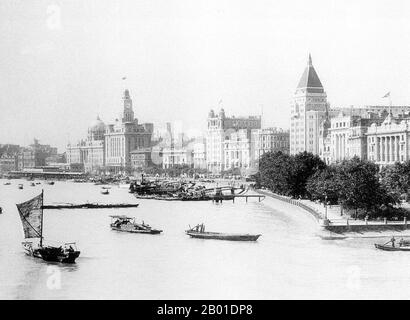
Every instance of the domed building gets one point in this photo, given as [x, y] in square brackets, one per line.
[96, 130]
[89, 154]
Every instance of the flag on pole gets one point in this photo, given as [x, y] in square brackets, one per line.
[386, 95]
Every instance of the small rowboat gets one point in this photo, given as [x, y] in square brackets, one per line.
[105, 191]
[391, 248]
[201, 234]
[20, 186]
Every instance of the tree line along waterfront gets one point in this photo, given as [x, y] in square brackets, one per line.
[361, 188]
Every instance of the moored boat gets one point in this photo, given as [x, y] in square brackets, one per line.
[31, 215]
[391, 248]
[105, 191]
[50, 182]
[128, 224]
[7, 183]
[20, 186]
[199, 232]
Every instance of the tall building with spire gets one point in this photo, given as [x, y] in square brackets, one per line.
[309, 108]
[125, 136]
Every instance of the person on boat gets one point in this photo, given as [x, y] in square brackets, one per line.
[401, 242]
[392, 240]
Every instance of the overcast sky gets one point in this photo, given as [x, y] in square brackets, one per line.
[61, 62]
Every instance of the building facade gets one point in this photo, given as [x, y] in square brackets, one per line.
[141, 159]
[389, 142]
[124, 136]
[237, 148]
[344, 136]
[8, 162]
[308, 110]
[173, 157]
[219, 129]
[268, 140]
[199, 154]
[89, 154]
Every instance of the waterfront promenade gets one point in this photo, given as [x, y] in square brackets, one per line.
[331, 219]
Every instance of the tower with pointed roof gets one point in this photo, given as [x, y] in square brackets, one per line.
[308, 110]
[127, 113]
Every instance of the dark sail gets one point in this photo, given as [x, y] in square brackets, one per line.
[31, 215]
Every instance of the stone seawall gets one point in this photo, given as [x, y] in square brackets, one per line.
[366, 227]
[338, 226]
[312, 211]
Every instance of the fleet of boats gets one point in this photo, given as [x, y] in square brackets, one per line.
[182, 191]
[31, 215]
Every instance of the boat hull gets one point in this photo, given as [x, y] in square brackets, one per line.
[390, 248]
[151, 231]
[223, 236]
[52, 254]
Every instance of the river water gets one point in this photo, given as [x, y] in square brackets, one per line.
[289, 261]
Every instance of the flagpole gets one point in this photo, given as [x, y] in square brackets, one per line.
[42, 217]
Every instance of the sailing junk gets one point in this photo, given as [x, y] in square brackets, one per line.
[31, 215]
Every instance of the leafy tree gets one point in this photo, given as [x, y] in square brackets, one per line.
[360, 188]
[324, 185]
[274, 169]
[396, 178]
[304, 165]
[288, 175]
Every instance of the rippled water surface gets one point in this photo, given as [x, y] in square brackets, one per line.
[288, 260]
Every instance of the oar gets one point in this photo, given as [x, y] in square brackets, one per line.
[387, 242]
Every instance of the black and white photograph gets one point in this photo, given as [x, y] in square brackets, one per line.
[204, 150]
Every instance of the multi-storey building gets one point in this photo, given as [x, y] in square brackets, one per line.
[172, 157]
[308, 110]
[219, 128]
[89, 154]
[344, 136]
[389, 142]
[8, 162]
[141, 159]
[237, 148]
[124, 136]
[199, 148]
[268, 140]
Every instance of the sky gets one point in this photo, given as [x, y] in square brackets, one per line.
[62, 62]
